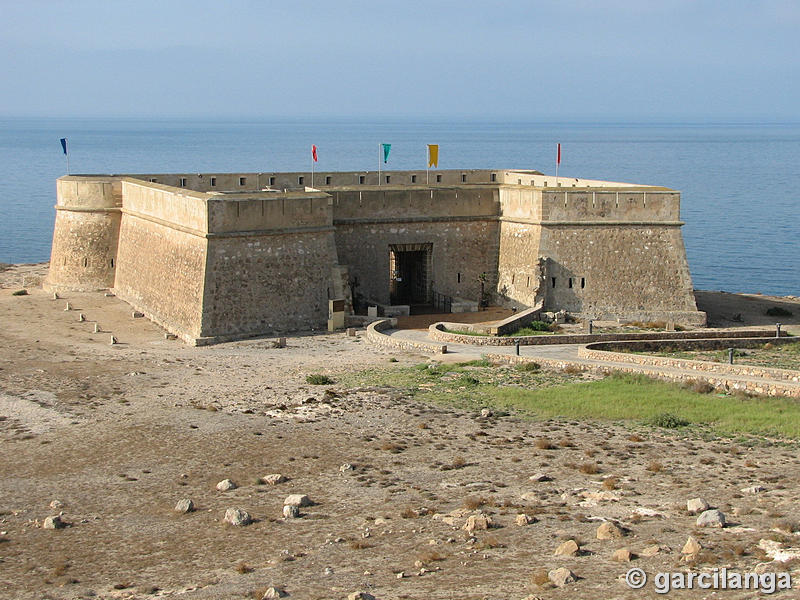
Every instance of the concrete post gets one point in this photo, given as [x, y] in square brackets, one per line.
[777, 330]
[516, 346]
[730, 356]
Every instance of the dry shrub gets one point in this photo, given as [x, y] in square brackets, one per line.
[654, 466]
[474, 502]
[459, 462]
[423, 425]
[429, 556]
[635, 437]
[751, 464]
[544, 444]
[392, 447]
[243, 568]
[590, 452]
[565, 442]
[573, 369]
[61, 568]
[610, 483]
[359, 544]
[490, 542]
[409, 513]
[589, 468]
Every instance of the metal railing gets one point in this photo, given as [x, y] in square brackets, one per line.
[442, 302]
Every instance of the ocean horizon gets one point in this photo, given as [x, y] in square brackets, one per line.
[737, 180]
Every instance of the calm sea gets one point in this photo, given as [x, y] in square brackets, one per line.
[740, 184]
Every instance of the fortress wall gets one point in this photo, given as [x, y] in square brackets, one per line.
[628, 204]
[616, 270]
[184, 208]
[520, 203]
[251, 181]
[267, 283]
[269, 212]
[519, 274]
[468, 248]
[161, 272]
[83, 254]
[413, 204]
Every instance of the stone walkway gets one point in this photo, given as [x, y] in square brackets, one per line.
[569, 354]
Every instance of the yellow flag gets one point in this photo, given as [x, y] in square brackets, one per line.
[433, 155]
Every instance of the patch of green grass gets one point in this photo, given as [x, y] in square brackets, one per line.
[465, 332]
[621, 397]
[317, 379]
[20, 293]
[780, 356]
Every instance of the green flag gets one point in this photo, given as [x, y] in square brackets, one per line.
[386, 149]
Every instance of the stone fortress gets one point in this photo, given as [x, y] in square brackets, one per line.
[214, 257]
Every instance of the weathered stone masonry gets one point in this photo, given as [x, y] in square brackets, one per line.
[219, 256]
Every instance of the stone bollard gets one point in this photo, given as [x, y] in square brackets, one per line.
[113, 341]
[730, 356]
[281, 342]
[55, 295]
[516, 346]
[96, 328]
[351, 332]
[670, 325]
[590, 326]
[81, 318]
[68, 307]
[777, 330]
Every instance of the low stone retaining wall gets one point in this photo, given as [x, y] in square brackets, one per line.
[437, 332]
[375, 336]
[722, 383]
[607, 352]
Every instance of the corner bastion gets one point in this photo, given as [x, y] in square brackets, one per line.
[219, 256]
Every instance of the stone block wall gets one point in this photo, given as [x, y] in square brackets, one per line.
[270, 283]
[161, 272]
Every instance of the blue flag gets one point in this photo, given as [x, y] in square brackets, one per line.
[386, 148]
[64, 144]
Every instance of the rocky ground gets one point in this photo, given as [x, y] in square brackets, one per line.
[100, 442]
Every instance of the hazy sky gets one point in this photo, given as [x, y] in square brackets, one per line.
[533, 60]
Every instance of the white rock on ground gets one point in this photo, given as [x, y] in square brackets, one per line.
[274, 592]
[609, 531]
[291, 511]
[297, 500]
[184, 506]
[696, 505]
[691, 547]
[226, 485]
[561, 576]
[568, 548]
[360, 596]
[523, 519]
[475, 522]
[237, 517]
[711, 518]
[54, 523]
[273, 479]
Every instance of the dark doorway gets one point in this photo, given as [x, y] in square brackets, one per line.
[408, 273]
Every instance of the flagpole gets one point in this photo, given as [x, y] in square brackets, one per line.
[312, 169]
[427, 165]
[380, 147]
[68, 171]
[558, 160]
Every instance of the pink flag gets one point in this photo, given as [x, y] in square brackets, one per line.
[314, 152]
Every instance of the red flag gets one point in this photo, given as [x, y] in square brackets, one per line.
[558, 160]
[314, 152]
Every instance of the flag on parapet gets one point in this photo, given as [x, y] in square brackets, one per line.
[433, 155]
[386, 149]
[314, 152]
[558, 155]
[64, 144]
